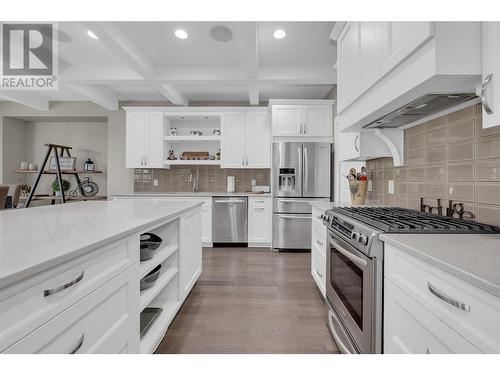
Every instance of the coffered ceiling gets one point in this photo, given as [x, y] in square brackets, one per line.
[240, 61]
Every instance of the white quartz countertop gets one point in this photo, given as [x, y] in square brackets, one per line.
[35, 239]
[194, 194]
[474, 258]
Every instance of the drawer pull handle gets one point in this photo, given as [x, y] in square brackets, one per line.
[259, 201]
[320, 243]
[447, 299]
[259, 209]
[319, 274]
[49, 292]
[78, 345]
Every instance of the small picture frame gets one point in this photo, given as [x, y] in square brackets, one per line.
[66, 163]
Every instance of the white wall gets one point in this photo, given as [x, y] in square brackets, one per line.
[88, 139]
[13, 148]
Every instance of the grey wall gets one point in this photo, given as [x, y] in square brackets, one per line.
[13, 149]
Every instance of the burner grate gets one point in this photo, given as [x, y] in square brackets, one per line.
[404, 220]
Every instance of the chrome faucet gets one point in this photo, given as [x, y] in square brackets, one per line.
[194, 180]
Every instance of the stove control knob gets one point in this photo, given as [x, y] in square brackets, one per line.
[362, 239]
[354, 235]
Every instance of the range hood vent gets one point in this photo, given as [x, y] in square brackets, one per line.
[424, 106]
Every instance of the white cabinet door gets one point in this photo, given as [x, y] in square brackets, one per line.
[135, 139]
[233, 140]
[286, 121]
[348, 67]
[190, 252]
[257, 140]
[410, 328]
[154, 140]
[206, 223]
[491, 69]
[402, 39]
[318, 121]
[259, 220]
[370, 36]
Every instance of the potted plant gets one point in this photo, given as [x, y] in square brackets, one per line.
[65, 185]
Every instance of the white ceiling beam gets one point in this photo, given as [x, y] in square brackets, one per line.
[172, 94]
[253, 94]
[249, 49]
[26, 98]
[99, 96]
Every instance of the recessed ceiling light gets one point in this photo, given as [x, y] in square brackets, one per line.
[181, 34]
[92, 35]
[279, 34]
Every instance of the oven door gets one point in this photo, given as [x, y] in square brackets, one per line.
[350, 290]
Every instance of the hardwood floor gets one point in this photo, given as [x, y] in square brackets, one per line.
[251, 301]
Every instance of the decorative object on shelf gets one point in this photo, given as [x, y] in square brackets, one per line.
[25, 190]
[217, 155]
[172, 131]
[65, 186]
[67, 163]
[216, 131]
[196, 132]
[149, 243]
[89, 165]
[150, 279]
[195, 155]
[358, 182]
[87, 187]
[33, 167]
[24, 166]
[171, 155]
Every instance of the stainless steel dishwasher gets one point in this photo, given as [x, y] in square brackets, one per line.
[230, 220]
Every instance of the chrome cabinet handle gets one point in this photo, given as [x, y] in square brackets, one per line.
[78, 345]
[294, 217]
[452, 301]
[319, 274]
[336, 337]
[259, 209]
[49, 292]
[360, 262]
[481, 92]
[259, 201]
[305, 128]
[356, 140]
[145, 160]
[230, 201]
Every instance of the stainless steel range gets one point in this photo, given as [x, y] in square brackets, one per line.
[355, 266]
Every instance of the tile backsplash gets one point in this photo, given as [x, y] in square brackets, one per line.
[450, 157]
[208, 178]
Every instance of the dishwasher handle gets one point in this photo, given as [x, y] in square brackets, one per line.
[230, 201]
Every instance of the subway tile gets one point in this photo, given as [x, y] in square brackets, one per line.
[401, 188]
[388, 200]
[436, 155]
[416, 142]
[435, 190]
[400, 174]
[488, 193]
[416, 158]
[461, 151]
[488, 147]
[436, 174]
[401, 200]
[435, 124]
[480, 132]
[461, 192]
[416, 174]
[461, 131]
[416, 189]
[415, 130]
[388, 175]
[488, 214]
[488, 170]
[435, 138]
[461, 171]
[460, 115]
[414, 203]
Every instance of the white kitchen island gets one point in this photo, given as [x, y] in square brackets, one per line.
[70, 274]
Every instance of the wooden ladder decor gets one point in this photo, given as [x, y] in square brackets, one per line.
[53, 148]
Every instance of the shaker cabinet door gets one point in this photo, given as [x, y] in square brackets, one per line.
[233, 140]
[257, 140]
[135, 139]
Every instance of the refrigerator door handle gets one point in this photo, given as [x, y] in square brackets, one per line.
[305, 170]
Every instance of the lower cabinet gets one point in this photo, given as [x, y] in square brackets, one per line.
[319, 239]
[259, 221]
[410, 328]
[190, 252]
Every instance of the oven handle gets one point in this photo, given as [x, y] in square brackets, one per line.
[342, 348]
[360, 262]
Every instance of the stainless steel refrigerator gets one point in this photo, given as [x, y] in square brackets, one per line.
[301, 173]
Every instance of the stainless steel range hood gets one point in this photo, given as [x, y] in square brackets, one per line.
[422, 107]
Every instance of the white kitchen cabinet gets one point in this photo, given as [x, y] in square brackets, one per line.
[190, 252]
[490, 88]
[311, 120]
[246, 141]
[144, 139]
[348, 65]
[411, 329]
[319, 245]
[259, 221]
[441, 303]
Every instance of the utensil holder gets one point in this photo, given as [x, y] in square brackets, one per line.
[358, 189]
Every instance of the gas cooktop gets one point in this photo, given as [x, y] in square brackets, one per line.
[404, 220]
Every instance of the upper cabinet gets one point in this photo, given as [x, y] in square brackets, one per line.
[368, 50]
[144, 139]
[489, 91]
[302, 120]
[246, 140]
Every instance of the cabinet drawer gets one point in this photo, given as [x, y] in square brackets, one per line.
[29, 304]
[105, 321]
[319, 237]
[470, 311]
[410, 328]
[259, 203]
[318, 268]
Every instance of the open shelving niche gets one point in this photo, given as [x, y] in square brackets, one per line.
[165, 293]
[185, 141]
